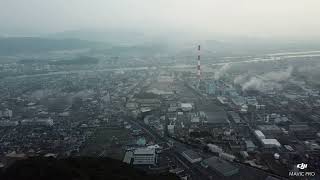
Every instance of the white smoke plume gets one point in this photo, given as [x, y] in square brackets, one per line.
[42, 93]
[267, 82]
[220, 72]
[83, 94]
[278, 76]
[241, 79]
[309, 68]
[258, 84]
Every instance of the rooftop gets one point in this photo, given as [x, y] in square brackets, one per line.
[141, 151]
[235, 116]
[271, 142]
[216, 117]
[269, 128]
[127, 157]
[249, 144]
[186, 105]
[191, 154]
[259, 133]
[221, 166]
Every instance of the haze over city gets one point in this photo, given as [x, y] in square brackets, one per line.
[159, 89]
[293, 19]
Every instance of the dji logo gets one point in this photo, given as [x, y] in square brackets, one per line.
[301, 173]
[302, 166]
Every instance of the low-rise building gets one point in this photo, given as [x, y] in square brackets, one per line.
[270, 143]
[7, 123]
[220, 166]
[186, 106]
[191, 156]
[144, 156]
[227, 156]
[170, 129]
[214, 148]
[250, 146]
[259, 134]
[270, 129]
[37, 122]
[234, 117]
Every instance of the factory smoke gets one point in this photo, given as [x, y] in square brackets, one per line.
[309, 68]
[278, 76]
[241, 79]
[259, 84]
[221, 71]
[83, 94]
[265, 82]
[43, 93]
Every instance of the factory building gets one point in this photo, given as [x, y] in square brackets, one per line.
[259, 135]
[37, 122]
[270, 143]
[298, 127]
[214, 148]
[8, 123]
[131, 106]
[211, 88]
[238, 101]
[194, 118]
[250, 146]
[220, 166]
[266, 143]
[252, 101]
[186, 106]
[222, 99]
[128, 157]
[216, 119]
[171, 129]
[270, 129]
[7, 113]
[226, 156]
[191, 156]
[234, 117]
[152, 103]
[144, 156]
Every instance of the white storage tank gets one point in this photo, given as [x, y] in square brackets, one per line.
[227, 156]
[214, 148]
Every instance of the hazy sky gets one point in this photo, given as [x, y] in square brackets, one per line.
[266, 18]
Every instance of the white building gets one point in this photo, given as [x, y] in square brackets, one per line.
[227, 156]
[270, 143]
[214, 148]
[37, 122]
[191, 156]
[7, 113]
[195, 119]
[144, 156]
[259, 134]
[8, 123]
[171, 129]
[186, 106]
[250, 146]
[128, 157]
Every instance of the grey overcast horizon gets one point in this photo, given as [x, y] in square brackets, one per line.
[296, 19]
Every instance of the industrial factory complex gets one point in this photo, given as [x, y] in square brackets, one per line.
[201, 121]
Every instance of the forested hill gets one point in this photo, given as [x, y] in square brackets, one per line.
[80, 168]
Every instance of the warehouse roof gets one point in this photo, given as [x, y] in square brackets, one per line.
[144, 151]
[221, 166]
[191, 154]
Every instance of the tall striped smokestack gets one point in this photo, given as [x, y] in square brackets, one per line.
[198, 66]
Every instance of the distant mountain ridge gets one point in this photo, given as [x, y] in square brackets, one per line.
[116, 37]
[16, 45]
